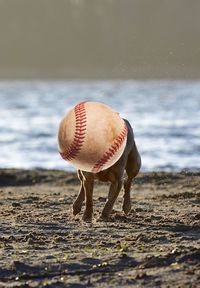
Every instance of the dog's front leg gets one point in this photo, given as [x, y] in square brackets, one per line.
[88, 187]
[78, 203]
[112, 196]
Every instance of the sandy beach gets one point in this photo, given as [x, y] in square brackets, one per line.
[42, 244]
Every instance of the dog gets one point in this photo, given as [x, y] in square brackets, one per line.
[130, 161]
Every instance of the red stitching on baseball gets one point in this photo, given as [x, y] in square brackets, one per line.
[111, 151]
[80, 131]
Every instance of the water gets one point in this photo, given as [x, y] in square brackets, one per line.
[165, 116]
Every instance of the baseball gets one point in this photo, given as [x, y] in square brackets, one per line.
[92, 136]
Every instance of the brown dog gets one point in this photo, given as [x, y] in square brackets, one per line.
[129, 161]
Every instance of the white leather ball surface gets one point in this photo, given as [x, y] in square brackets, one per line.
[92, 136]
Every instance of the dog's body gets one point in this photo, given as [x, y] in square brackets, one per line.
[129, 161]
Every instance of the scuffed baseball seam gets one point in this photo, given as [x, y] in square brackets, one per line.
[80, 131]
[111, 151]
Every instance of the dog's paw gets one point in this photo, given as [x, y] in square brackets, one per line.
[126, 207]
[76, 208]
[103, 218]
[87, 217]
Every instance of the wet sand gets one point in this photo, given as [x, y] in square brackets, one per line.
[43, 245]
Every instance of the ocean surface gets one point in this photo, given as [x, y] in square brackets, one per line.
[165, 116]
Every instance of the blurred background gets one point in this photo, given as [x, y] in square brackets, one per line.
[140, 57]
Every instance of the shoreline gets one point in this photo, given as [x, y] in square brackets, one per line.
[25, 177]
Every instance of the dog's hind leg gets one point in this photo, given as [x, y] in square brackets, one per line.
[112, 196]
[127, 197]
[78, 203]
[132, 169]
